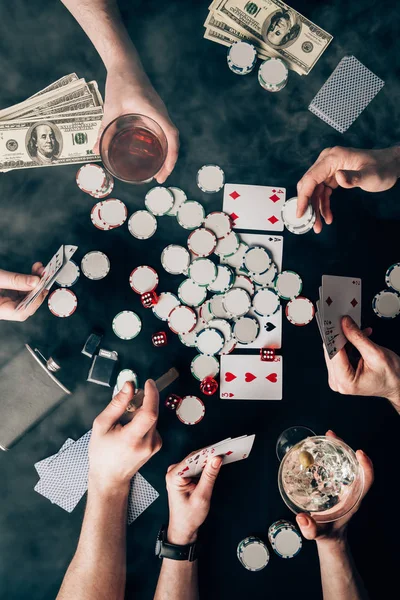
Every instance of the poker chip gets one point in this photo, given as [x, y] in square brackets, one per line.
[229, 346]
[179, 198]
[95, 265]
[182, 319]
[142, 224]
[165, 304]
[296, 225]
[124, 376]
[256, 260]
[209, 341]
[203, 366]
[246, 330]
[217, 307]
[94, 180]
[392, 277]
[386, 304]
[236, 260]
[223, 326]
[228, 245]
[68, 275]
[266, 279]
[202, 242]
[189, 339]
[253, 553]
[300, 311]
[203, 271]
[219, 223]
[242, 57]
[236, 302]
[191, 293]
[245, 283]
[126, 325]
[175, 259]
[62, 302]
[205, 311]
[159, 200]
[191, 410]
[266, 302]
[143, 279]
[210, 179]
[273, 74]
[284, 538]
[113, 212]
[190, 215]
[96, 219]
[288, 285]
[224, 280]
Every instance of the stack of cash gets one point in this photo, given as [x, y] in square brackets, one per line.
[58, 125]
[273, 27]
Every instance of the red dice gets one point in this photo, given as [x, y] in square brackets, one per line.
[267, 354]
[208, 386]
[172, 401]
[159, 338]
[149, 299]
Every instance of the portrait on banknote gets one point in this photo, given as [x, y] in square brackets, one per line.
[281, 28]
[44, 142]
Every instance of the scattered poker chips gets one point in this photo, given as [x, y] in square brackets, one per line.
[217, 307]
[285, 539]
[126, 325]
[142, 224]
[273, 74]
[62, 302]
[244, 282]
[236, 260]
[294, 224]
[202, 242]
[159, 200]
[97, 220]
[236, 302]
[165, 304]
[94, 180]
[288, 285]
[392, 277]
[266, 279]
[204, 365]
[124, 376]
[113, 213]
[223, 326]
[95, 265]
[253, 553]
[386, 304]
[203, 271]
[189, 339]
[246, 330]
[219, 223]
[68, 275]
[175, 259]
[256, 260]
[179, 198]
[191, 293]
[228, 245]
[210, 179]
[182, 319]
[143, 279]
[300, 311]
[209, 341]
[266, 302]
[242, 57]
[205, 311]
[224, 280]
[191, 410]
[229, 346]
[190, 214]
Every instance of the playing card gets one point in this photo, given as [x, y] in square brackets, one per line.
[141, 495]
[232, 450]
[247, 377]
[42, 465]
[270, 335]
[273, 243]
[254, 206]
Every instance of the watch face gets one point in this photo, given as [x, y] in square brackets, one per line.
[158, 547]
[160, 538]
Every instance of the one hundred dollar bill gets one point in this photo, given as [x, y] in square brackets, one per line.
[220, 37]
[65, 80]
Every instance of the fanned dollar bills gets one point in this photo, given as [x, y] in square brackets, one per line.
[272, 26]
[58, 125]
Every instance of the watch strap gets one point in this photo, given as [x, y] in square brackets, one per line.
[188, 552]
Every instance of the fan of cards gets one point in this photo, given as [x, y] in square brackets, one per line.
[230, 449]
[58, 125]
[338, 297]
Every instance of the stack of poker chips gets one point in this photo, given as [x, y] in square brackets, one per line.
[253, 553]
[386, 304]
[242, 58]
[94, 180]
[273, 74]
[284, 539]
[294, 224]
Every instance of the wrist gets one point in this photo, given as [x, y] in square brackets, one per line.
[396, 160]
[338, 543]
[181, 537]
[108, 490]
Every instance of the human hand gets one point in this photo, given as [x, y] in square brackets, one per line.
[336, 531]
[116, 452]
[370, 170]
[377, 372]
[189, 501]
[14, 287]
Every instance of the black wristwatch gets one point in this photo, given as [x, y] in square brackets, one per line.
[166, 550]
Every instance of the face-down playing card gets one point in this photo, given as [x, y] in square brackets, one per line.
[245, 377]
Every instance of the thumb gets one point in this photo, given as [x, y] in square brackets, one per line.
[349, 179]
[96, 147]
[208, 478]
[114, 411]
[308, 526]
[17, 281]
[358, 338]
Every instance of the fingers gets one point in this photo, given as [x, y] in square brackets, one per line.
[308, 526]
[96, 147]
[114, 411]
[358, 338]
[333, 435]
[172, 136]
[321, 171]
[331, 373]
[38, 269]
[349, 179]
[17, 281]
[316, 202]
[208, 478]
[368, 469]
[325, 205]
[146, 416]
[25, 314]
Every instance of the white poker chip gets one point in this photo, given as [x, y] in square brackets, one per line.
[223, 326]
[62, 302]
[217, 307]
[288, 284]
[266, 279]
[273, 74]
[202, 242]
[94, 180]
[143, 279]
[229, 346]
[203, 271]
[126, 325]
[266, 302]
[210, 179]
[236, 260]
[203, 366]
[245, 283]
[190, 215]
[165, 304]
[386, 304]
[257, 260]
[300, 311]
[113, 212]
[210, 341]
[228, 245]
[224, 280]
[95, 265]
[142, 224]
[253, 554]
[124, 376]
[68, 275]
[246, 330]
[285, 540]
[296, 225]
[392, 277]
[191, 410]
[242, 57]
[175, 259]
[191, 293]
[219, 223]
[179, 198]
[236, 302]
[97, 220]
[205, 311]
[182, 319]
[189, 339]
[159, 200]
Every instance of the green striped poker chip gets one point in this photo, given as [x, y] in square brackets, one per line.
[126, 325]
[288, 285]
[392, 277]
[210, 341]
[210, 179]
[228, 245]
[159, 200]
[191, 293]
[253, 554]
[203, 271]
[124, 376]
[224, 280]
[203, 366]
[284, 538]
[386, 304]
[190, 214]
[273, 74]
[242, 57]
[179, 198]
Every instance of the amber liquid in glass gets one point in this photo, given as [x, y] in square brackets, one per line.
[135, 154]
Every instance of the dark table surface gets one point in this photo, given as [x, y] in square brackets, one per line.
[257, 138]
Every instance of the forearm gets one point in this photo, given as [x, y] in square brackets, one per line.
[339, 576]
[178, 580]
[396, 159]
[98, 569]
